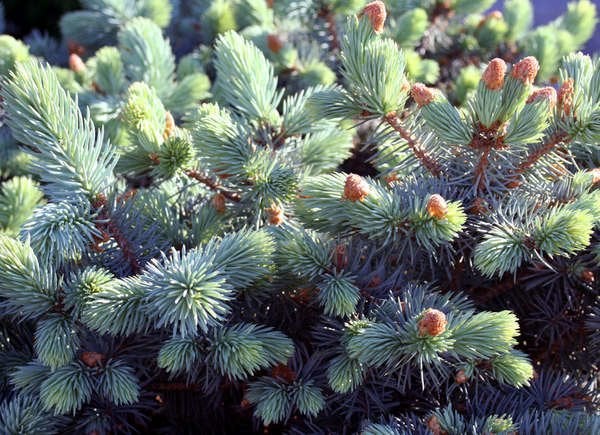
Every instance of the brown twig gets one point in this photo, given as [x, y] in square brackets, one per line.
[192, 173]
[426, 160]
[489, 137]
[108, 227]
[486, 139]
[481, 168]
[534, 157]
[554, 140]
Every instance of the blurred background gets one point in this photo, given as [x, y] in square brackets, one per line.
[22, 16]
[26, 15]
[547, 10]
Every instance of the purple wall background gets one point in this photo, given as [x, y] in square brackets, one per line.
[548, 10]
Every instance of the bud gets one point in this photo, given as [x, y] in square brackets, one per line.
[548, 93]
[493, 76]
[376, 13]
[76, 64]
[526, 70]
[595, 176]
[565, 96]
[284, 372]
[422, 94]
[588, 276]
[433, 323]
[461, 377]
[437, 207]
[91, 359]
[218, 202]
[479, 206]
[434, 425]
[275, 215]
[494, 15]
[169, 126]
[274, 43]
[356, 188]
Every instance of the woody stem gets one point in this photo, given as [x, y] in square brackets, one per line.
[192, 173]
[426, 160]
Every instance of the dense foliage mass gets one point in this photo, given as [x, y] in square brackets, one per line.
[319, 216]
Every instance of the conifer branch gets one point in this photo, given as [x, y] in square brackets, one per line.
[426, 160]
[486, 139]
[533, 158]
[196, 175]
[547, 147]
[107, 226]
[96, 310]
[481, 168]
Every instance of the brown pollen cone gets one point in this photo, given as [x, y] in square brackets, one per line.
[274, 43]
[525, 70]
[356, 188]
[218, 202]
[169, 126]
[461, 377]
[376, 13]
[91, 359]
[433, 323]
[494, 15]
[275, 215]
[76, 64]
[595, 176]
[493, 76]
[437, 207]
[588, 276]
[422, 94]
[548, 93]
[565, 96]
